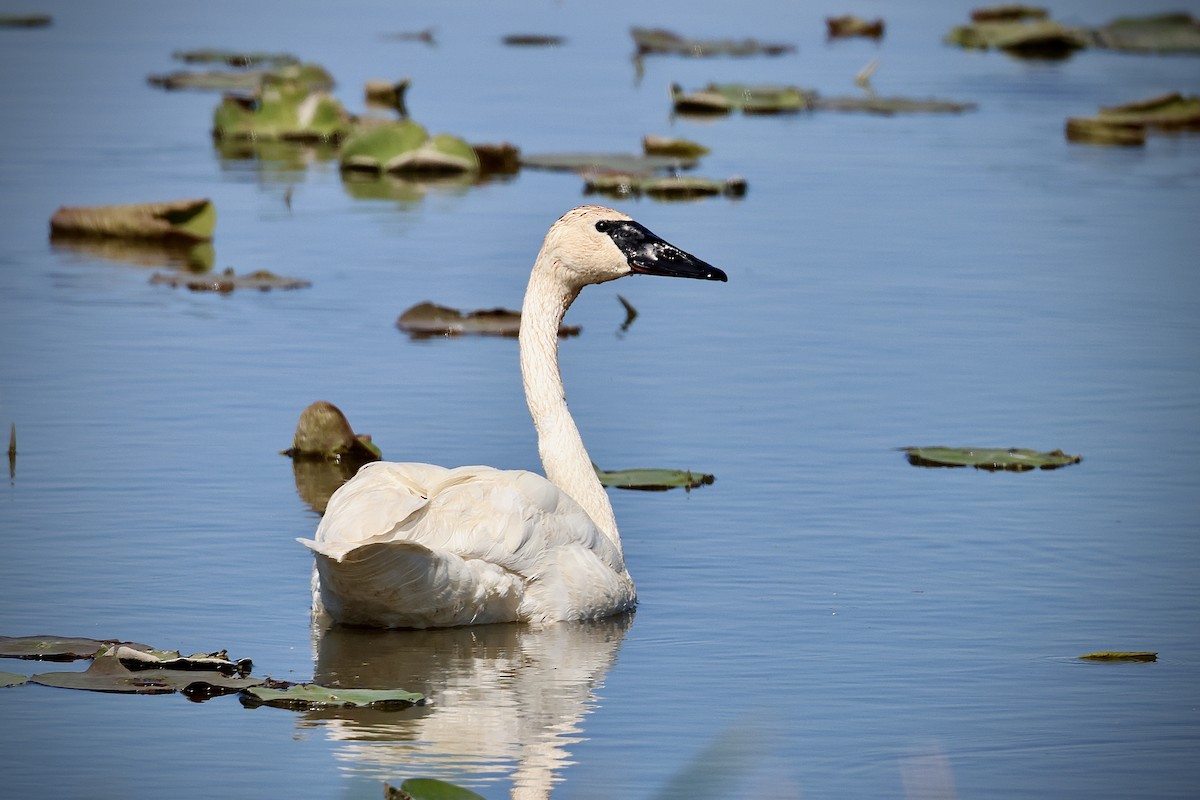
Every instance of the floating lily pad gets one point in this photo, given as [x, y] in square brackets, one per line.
[662, 188]
[873, 104]
[990, 459]
[136, 660]
[851, 25]
[1127, 124]
[284, 111]
[498, 159]
[302, 77]
[309, 695]
[606, 162]
[1158, 33]
[724, 98]
[652, 480]
[658, 41]
[1024, 31]
[1094, 130]
[405, 147]
[234, 58]
[25, 20]
[672, 147]
[182, 221]
[428, 789]
[1119, 655]
[389, 94]
[228, 281]
[12, 679]
[429, 319]
[533, 40]
[55, 648]
[323, 432]
[106, 674]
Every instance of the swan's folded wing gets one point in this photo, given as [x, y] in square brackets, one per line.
[382, 497]
[402, 584]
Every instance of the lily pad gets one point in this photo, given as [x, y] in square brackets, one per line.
[1158, 33]
[228, 281]
[851, 25]
[12, 679]
[1094, 130]
[405, 147]
[662, 188]
[1023, 31]
[658, 41]
[106, 674]
[429, 319]
[428, 789]
[672, 147]
[136, 660]
[1120, 655]
[308, 695]
[533, 40]
[183, 221]
[234, 58]
[25, 20]
[606, 162]
[282, 111]
[990, 459]
[303, 77]
[652, 480]
[724, 98]
[389, 94]
[873, 104]
[1127, 124]
[55, 648]
[323, 432]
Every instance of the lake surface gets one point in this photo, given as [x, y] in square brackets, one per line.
[822, 621]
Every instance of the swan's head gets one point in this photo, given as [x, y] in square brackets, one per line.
[594, 244]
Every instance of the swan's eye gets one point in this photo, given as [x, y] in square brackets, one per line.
[603, 226]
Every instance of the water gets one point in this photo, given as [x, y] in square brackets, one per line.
[842, 623]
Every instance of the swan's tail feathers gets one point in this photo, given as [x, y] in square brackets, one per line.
[402, 584]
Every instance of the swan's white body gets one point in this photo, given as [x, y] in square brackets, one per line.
[420, 546]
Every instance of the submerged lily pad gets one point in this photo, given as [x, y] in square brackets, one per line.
[429, 319]
[428, 789]
[183, 221]
[659, 41]
[227, 281]
[309, 695]
[990, 459]
[1120, 655]
[406, 147]
[12, 679]
[724, 98]
[662, 188]
[652, 480]
[55, 648]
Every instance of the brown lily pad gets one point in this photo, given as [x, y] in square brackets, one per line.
[1120, 655]
[850, 25]
[658, 41]
[56, 648]
[323, 432]
[429, 319]
[616, 184]
[227, 281]
[174, 220]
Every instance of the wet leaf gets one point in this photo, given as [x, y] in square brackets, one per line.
[183, 221]
[1093, 130]
[724, 98]
[990, 459]
[659, 41]
[135, 660]
[428, 789]
[1168, 112]
[1020, 31]
[301, 77]
[672, 147]
[652, 480]
[228, 281]
[1121, 655]
[234, 58]
[606, 162]
[323, 432]
[107, 674]
[282, 111]
[1156, 33]
[25, 20]
[55, 648]
[533, 40]
[661, 188]
[850, 25]
[429, 319]
[873, 104]
[12, 679]
[309, 695]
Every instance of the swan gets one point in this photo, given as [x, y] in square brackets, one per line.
[406, 545]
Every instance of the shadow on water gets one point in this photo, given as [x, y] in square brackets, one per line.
[505, 701]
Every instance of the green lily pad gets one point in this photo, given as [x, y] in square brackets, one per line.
[607, 162]
[1168, 112]
[429, 319]
[107, 674]
[323, 432]
[428, 789]
[1024, 31]
[533, 40]
[309, 695]
[1096, 130]
[234, 58]
[282, 111]
[55, 648]
[405, 147]
[302, 77]
[12, 679]
[652, 480]
[990, 459]
[672, 147]
[183, 221]
[1120, 655]
[1157, 33]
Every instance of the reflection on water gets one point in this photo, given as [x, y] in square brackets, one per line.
[193, 257]
[505, 701]
[318, 478]
[406, 189]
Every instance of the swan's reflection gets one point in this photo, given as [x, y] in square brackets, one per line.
[505, 701]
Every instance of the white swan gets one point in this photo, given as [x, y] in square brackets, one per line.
[418, 546]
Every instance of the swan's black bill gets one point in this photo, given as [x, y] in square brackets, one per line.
[650, 255]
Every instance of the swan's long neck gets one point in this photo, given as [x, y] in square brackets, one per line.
[564, 457]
